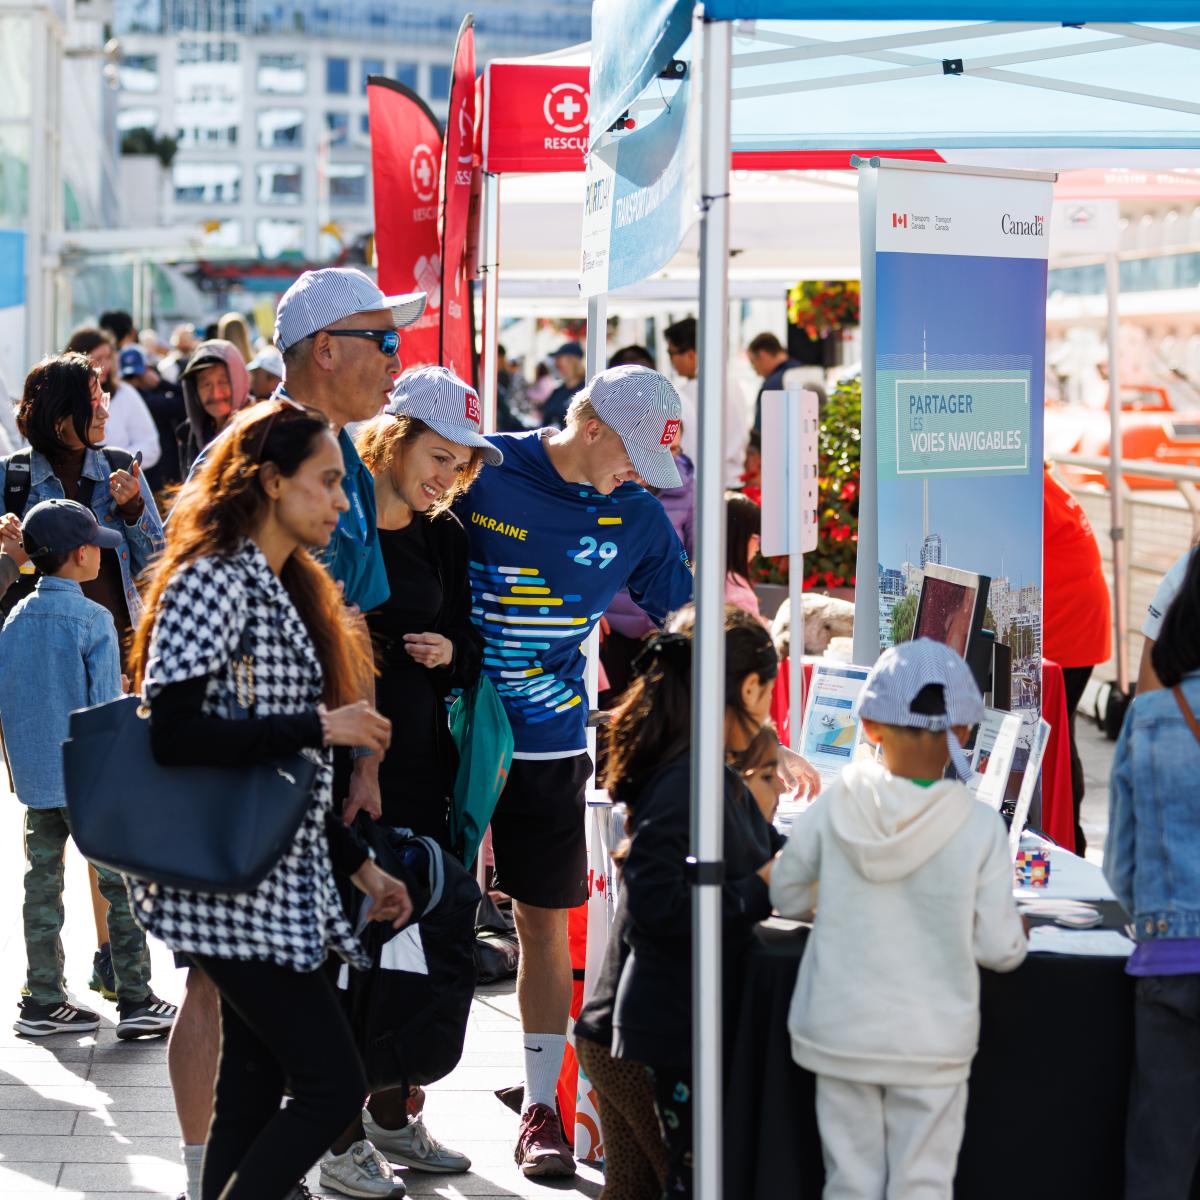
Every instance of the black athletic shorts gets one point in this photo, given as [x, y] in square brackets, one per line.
[538, 835]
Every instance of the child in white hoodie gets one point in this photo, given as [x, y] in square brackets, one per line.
[915, 892]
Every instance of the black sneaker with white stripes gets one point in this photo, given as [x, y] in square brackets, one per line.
[41, 1020]
[152, 1016]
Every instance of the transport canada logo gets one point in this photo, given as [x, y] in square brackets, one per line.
[566, 107]
[423, 170]
[899, 220]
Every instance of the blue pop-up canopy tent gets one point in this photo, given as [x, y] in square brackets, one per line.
[1074, 83]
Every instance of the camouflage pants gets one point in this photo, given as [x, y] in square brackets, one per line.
[46, 833]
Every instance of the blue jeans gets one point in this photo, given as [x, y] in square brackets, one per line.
[1162, 1139]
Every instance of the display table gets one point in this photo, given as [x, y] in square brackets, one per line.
[1058, 813]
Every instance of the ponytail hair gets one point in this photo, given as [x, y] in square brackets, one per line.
[652, 723]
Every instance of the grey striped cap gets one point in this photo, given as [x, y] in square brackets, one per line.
[321, 298]
[903, 671]
[900, 674]
[645, 410]
[450, 407]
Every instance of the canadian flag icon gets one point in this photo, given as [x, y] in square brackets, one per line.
[900, 220]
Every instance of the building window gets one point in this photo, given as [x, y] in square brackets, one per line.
[364, 128]
[406, 73]
[337, 76]
[371, 66]
[347, 183]
[278, 238]
[137, 118]
[207, 183]
[439, 84]
[280, 128]
[338, 125]
[203, 133]
[139, 73]
[281, 74]
[206, 52]
[226, 235]
[279, 183]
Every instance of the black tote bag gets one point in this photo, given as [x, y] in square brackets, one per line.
[201, 829]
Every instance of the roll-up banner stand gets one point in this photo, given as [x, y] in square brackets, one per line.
[954, 312]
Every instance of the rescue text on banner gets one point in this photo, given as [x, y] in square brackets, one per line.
[406, 154]
[960, 336]
[457, 347]
[641, 198]
[539, 122]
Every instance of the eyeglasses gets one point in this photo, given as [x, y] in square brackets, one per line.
[388, 340]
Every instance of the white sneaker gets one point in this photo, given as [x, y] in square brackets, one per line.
[414, 1146]
[361, 1171]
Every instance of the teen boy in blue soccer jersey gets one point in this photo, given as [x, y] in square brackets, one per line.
[554, 534]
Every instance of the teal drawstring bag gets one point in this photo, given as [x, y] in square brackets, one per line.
[480, 728]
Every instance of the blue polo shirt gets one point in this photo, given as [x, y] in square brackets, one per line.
[354, 556]
[547, 558]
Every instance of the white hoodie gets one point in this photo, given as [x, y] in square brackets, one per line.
[915, 890]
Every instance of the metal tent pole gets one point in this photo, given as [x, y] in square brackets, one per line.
[596, 351]
[1115, 482]
[490, 269]
[708, 653]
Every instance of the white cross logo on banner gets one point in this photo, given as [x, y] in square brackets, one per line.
[423, 173]
[565, 107]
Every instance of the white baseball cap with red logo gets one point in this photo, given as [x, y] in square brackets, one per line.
[450, 407]
[645, 410]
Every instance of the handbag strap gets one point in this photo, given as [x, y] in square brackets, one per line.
[243, 675]
[1185, 708]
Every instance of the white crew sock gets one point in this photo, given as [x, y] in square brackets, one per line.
[543, 1063]
[193, 1158]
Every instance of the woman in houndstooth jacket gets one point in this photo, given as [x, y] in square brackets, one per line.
[236, 563]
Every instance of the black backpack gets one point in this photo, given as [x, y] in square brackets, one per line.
[18, 480]
[410, 1024]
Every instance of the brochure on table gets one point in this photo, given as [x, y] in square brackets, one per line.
[831, 735]
[1037, 748]
[992, 758]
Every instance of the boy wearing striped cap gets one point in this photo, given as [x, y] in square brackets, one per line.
[913, 882]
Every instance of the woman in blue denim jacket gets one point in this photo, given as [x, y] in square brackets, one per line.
[62, 415]
[1152, 860]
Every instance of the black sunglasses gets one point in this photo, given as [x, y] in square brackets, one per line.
[388, 340]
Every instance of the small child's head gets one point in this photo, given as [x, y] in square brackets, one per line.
[64, 539]
[918, 705]
[758, 766]
[743, 533]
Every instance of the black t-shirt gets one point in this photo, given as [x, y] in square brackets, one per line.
[417, 771]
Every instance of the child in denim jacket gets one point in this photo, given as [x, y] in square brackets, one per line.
[59, 652]
[1152, 860]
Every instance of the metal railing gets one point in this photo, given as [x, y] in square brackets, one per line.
[1160, 524]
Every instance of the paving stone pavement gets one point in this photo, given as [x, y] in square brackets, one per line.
[93, 1117]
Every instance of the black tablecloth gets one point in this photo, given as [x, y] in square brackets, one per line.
[1046, 1113]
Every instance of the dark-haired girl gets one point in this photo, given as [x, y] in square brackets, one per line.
[743, 536]
[63, 415]
[238, 608]
[1152, 860]
[649, 770]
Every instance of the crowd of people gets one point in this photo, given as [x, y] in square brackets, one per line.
[345, 552]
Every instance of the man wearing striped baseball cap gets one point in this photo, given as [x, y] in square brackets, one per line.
[555, 532]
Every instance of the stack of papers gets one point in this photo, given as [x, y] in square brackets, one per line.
[1100, 943]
